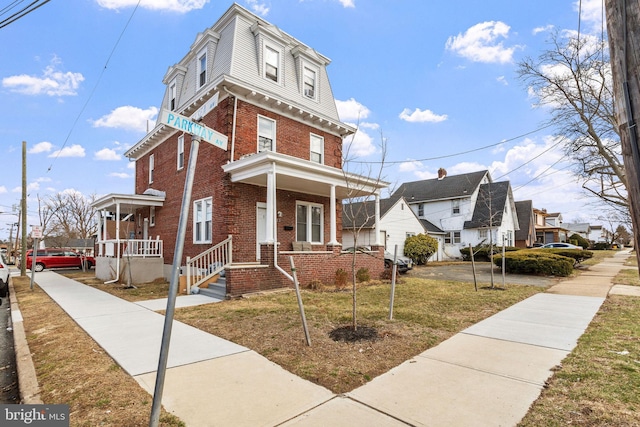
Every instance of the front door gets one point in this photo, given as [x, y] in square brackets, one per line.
[261, 226]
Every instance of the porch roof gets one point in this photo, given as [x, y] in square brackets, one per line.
[302, 176]
[128, 202]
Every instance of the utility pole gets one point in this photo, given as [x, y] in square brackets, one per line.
[623, 28]
[23, 211]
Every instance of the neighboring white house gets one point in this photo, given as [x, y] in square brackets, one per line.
[581, 228]
[467, 208]
[599, 234]
[397, 222]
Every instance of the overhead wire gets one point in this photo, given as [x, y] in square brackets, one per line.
[9, 6]
[23, 12]
[75, 122]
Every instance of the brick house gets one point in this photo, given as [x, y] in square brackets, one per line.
[276, 191]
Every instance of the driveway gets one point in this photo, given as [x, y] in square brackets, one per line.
[463, 272]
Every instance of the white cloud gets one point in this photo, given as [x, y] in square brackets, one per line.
[351, 110]
[421, 116]
[358, 145]
[591, 12]
[41, 147]
[72, 151]
[182, 6]
[544, 29]
[347, 3]
[410, 166]
[122, 175]
[503, 80]
[107, 154]
[52, 82]
[258, 7]
[480, 43]
[3, 189]
[131, 165]
[127, 117]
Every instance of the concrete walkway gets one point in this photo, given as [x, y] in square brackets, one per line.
[489, 374]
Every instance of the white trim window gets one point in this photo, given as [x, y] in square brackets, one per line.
[453, 237]
[420, 210]
[152, 216]
[483, 233]
[271, 63]
[172, 96]
[317, 149]
[180, 154]
[309, 222]
[152, 165]
[455, 207]
[202, 214]
[309, 82]
[266, 134]
[202, 68]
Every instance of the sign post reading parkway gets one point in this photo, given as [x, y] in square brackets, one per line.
[219, 140]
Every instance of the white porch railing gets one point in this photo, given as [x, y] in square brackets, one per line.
[131, 248]
[204, 266]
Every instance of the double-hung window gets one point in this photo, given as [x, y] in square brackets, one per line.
[452, 237]
[202, 69]
[309, 83]
[420, 210]
[202, 220]
[152, 165]
[180, 154]
[266, 134]
[483, 233]
[271, 64]
[317, 149]
[309, 221]
[152, 216]
[455, 207]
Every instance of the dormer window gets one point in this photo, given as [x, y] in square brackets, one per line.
[172, 96]
[202, 69]
[309, 83]
[271, 64]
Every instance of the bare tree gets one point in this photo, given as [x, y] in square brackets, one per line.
[70, 216]
[359, 208]
[573, 79]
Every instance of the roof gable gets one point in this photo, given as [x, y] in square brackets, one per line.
[449, 187]
[490, 205]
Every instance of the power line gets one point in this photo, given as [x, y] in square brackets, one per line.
[504, 141]
[10, 6]
[23, 12]
[75, 122]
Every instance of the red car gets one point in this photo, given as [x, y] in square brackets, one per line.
[59, 258]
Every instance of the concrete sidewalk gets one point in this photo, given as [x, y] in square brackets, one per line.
[489, 374]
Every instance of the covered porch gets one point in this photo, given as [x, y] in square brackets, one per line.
[119, 254]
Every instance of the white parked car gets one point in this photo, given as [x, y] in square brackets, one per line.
[559, 245]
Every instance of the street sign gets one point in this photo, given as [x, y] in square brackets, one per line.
[36, 232]
[185, 124]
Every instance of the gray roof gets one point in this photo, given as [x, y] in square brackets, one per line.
[489, 205]
[362, 214]
[524, 210]
[449, 187]
[430, 227]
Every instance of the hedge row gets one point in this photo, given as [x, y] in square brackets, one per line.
[482, 253]
[540, 262]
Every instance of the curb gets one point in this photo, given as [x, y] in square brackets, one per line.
[27, 379]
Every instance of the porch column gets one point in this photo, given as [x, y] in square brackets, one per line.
[377, 219]
[332, 221]
[271, 204]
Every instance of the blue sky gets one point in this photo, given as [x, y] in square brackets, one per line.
[434, 79]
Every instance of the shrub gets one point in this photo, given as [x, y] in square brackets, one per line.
[342, 278]
[420, 248]
[362, 275]
[601, 246]
[482, 252]
[576, 254]
[577, 239]
[315, 285]
[542, 263]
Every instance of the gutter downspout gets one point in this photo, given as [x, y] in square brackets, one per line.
[233, 128]
[118, 244]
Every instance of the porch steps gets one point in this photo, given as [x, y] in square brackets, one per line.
[215, 289]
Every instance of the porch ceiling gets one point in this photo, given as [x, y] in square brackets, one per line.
[128, 202]
[302, 176]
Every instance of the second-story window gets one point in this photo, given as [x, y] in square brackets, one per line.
[271, 64]
[421, 210]
[202, 214]
[202, 69]
[172, 96]
[180, 153]
[317, 149]
[309, 80]
[152, 165]
[455, 207]
[266, 134]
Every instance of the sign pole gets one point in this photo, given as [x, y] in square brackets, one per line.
[173, 285]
